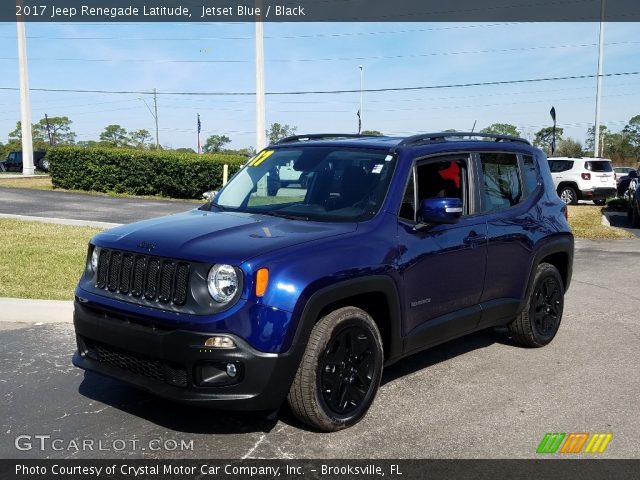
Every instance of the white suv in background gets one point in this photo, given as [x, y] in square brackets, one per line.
[583, 179]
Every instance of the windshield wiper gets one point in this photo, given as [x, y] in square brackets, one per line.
[290, 216]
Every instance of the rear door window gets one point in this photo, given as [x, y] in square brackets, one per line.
[501, 187]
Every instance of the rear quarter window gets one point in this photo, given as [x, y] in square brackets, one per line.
[598, 166]
[530, 175]
[560, 165]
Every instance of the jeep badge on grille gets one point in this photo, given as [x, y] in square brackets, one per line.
[148, 246]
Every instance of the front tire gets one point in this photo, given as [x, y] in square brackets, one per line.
[538, 323]
[340, 371]
[568, 195]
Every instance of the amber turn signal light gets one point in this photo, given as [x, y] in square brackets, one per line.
[262, 280]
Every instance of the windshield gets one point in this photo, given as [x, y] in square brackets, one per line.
[311, 183]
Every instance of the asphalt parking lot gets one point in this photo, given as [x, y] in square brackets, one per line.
[80, 206]
[476, 397]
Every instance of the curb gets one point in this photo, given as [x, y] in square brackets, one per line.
[19, 310]
[605, 219]
[61, 221]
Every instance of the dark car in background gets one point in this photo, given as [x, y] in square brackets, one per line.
[633, 198]
[305, 293]
[624, 181]
[622, 171]
[13, 162]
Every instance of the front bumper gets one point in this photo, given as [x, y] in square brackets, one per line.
[168, 363]
[598, 193]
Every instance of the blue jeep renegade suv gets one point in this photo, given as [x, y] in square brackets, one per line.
[387, 246]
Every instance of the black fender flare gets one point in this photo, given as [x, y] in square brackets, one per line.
[559, 244]
[309, 310]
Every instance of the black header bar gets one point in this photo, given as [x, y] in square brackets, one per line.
[318, 10]
[541, 468]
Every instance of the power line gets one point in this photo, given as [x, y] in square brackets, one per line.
[330, 59]
[333, 92]
[209, 102]
[240, 113]
[520, 127]
[272, 37]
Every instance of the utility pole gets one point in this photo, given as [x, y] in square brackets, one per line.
[154, 113]
[49, 134]
[261, 135]
[25, 103]
[155, 108]
[596, 130]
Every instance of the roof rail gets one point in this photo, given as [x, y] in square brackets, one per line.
[442, 137]
[319, 136]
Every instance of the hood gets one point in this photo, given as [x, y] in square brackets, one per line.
[222, 237]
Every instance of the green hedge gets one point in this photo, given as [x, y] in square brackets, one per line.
[139, 172]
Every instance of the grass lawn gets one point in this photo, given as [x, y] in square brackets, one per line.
[255, 201]
[41, 260]
[38, 183]
[586, 222]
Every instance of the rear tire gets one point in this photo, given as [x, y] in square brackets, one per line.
[568, 195]
[599, 202]
[340, 371]
[539, 321]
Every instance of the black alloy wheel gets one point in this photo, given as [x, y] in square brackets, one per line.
[540, 319]
[346, 370]
[547, 307]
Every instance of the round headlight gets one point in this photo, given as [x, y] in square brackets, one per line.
[94, 260]
[222, 282]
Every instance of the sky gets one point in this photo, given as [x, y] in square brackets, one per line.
[220, 58]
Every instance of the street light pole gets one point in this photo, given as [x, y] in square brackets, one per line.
[361, 86]
[596, 130]
[25, 102]
[261, 134]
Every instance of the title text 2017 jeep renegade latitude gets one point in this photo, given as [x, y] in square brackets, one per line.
[390, 246]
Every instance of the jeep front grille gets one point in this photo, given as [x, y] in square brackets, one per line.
[157, 279]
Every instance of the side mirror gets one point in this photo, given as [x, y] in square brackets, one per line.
[440, 210]
[210, 195]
